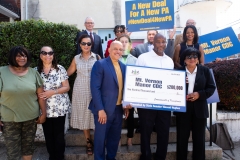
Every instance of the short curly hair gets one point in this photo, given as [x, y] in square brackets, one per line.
[119, 27]
[190, 51]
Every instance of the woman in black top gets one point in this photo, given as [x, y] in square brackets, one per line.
[199, 87]
[190, 39]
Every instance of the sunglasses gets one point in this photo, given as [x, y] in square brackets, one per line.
[192, 56]
[84, 43]
[47, 53]
[119, 31]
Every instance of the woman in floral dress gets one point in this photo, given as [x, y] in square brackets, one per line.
[58, 104]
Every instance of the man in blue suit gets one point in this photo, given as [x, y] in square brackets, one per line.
[107, 79]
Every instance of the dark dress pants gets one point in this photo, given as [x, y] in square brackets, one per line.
[130, 123]
[53, 129]
[162, 120]
[108, 135]
[185, 123]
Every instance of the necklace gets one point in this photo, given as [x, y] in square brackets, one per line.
[187, 45]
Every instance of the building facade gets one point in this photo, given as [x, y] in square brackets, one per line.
[10, 10]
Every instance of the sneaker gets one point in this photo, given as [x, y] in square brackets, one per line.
[130, 148]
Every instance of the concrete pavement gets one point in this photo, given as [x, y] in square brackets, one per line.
[41, 152]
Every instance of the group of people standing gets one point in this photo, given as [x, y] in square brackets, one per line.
[41, 96]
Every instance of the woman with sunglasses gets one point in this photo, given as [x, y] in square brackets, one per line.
[19, 104]
[58, 103]
[200, 86]
[81, 117]
[190, 39]
[118, 30]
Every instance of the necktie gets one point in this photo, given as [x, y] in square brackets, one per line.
[91, 39]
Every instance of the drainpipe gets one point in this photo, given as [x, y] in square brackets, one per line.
[26, 10]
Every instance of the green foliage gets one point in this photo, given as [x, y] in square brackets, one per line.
[34, 34]
[227, 76]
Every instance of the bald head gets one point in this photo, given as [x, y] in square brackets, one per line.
[190, 22]
[115, 43]
[115, 50]
[159, 35]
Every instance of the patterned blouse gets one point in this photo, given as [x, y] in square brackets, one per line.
[57, 104]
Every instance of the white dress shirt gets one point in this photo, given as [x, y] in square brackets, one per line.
[191, 79]
[151, 59]
[89, 34]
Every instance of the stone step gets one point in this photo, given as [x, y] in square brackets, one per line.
[76, 137]
[79, 153]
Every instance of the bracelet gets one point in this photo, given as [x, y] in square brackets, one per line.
[56, 91]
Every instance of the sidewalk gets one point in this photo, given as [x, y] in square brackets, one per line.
[41, 152]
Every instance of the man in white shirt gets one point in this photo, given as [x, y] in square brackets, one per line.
[147, 117]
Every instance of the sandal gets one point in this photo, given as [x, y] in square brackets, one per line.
[89, 148]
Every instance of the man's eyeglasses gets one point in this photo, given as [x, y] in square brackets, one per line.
[89, 22]
[192, 56]
[84, 43]
[50, 53]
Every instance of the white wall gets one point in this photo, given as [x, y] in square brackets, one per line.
[106, 13]
[204, 15]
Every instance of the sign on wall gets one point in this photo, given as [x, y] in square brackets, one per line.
[142, 15]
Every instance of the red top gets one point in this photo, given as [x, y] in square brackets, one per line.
[108, 46]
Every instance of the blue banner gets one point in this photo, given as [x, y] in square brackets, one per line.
[144, 15]
[219, 44]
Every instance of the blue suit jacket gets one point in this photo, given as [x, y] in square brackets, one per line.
[104, 86]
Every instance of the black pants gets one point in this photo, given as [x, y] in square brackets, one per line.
[162, 120]
[130, 123]
[53, 130]
[185, 123]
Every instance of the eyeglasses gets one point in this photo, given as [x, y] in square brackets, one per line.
[84, 43]
[45, 53]
[89, 22]
[119, 31]
[21, 56]
[192, 56]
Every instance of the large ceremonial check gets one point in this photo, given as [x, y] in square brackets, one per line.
[155, 88]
